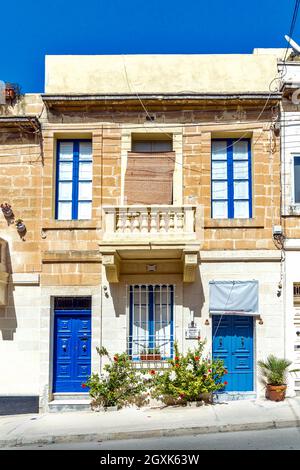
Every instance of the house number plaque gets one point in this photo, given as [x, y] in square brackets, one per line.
[192, 331]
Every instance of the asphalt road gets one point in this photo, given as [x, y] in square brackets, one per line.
[272, 439]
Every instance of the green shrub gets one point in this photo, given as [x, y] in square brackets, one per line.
[120, 384]
[189, 378]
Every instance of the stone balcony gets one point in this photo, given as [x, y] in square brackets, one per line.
[160, 235]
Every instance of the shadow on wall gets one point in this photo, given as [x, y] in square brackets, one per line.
[193, 299]
[8, 318]
[119, 302]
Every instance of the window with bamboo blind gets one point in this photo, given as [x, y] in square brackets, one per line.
[149, 173]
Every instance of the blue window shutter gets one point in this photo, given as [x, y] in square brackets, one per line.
[238, 180]
[297, 180]
[62, 181]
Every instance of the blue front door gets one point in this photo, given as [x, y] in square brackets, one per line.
[233, 342]
[72, 350]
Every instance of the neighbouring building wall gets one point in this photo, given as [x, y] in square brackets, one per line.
[20, 186]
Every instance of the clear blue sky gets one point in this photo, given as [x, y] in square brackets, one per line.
[31, 29]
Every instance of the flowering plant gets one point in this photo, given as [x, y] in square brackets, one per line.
[120, 384]
[189, 378]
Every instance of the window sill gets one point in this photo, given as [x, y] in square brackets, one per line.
[257, 222]
[70, 225]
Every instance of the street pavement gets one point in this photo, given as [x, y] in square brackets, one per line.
[271, 439]
[147, 423]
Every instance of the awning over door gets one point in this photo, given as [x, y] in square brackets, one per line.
[233, 297]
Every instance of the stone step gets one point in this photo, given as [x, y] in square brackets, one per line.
[70, 396]
[60, 406]
[233, 396]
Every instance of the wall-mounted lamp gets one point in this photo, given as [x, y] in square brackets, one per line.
[207, 321]
[261, 322]
[105, 289]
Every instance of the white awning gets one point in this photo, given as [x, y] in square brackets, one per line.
[233, 297]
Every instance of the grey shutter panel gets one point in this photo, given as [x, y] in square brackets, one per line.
[230, 297]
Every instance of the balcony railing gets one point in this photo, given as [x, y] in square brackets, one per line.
[151, 222]
[145, 347]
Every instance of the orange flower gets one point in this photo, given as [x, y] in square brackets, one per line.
[83, 385]
[225, 383]
[152, 372]
[116, 358]
[176, 358]
[197, 358]
[177, 365]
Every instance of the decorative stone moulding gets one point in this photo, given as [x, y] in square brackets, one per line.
[4, 275]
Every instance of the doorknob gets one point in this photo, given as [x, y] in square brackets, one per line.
[84, 347]
[64, 347]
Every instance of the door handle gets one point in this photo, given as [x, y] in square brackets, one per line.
[84, 347]
[64, 347]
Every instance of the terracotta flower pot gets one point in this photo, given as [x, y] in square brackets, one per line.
[10, 92]
[275, 392]
[150, 357]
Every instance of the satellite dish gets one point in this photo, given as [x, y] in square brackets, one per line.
[293, 44]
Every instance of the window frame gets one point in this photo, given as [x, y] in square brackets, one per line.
[152, 142]
[150, 291]
[75, 178]
[230, 178]
[293, 189]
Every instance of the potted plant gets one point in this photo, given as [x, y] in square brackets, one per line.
[274, 372]
[150, 354]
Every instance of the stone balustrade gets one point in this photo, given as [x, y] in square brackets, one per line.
[150, 222]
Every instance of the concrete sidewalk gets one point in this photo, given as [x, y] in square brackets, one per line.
[131, 423]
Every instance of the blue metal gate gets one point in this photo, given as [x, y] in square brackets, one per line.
[233, 342]
[72, 350]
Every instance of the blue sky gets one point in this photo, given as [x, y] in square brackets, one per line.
[31, 29]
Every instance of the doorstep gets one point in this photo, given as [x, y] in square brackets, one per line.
[233, 396]
[63, 402]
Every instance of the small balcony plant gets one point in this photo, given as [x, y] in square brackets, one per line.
[150, 354]
[274, 373]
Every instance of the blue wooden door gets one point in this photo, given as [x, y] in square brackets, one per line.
[72, 350]
[233, 342]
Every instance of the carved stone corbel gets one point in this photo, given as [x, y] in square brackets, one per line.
[111, 262]
[190, 264]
